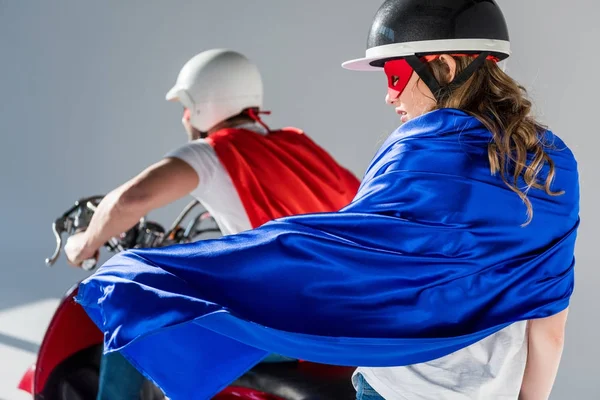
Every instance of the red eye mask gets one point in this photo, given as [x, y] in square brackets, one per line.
[398, 73]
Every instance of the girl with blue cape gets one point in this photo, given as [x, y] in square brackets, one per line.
[447, 277]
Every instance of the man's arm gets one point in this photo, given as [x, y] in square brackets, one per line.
[160, 184]
[546, 340]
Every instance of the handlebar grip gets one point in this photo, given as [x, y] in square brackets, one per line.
[89, 264]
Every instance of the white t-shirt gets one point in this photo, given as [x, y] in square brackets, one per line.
[491, 369]
[216, 191]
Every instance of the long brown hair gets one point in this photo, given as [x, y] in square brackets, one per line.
[500, 103]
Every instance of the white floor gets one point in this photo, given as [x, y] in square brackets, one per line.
[21, 332]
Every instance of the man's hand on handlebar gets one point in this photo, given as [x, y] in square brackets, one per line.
[77, 251]
[145, 234]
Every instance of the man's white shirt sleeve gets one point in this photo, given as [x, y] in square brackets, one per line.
[201, 156]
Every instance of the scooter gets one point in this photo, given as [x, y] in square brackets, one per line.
[68, 361]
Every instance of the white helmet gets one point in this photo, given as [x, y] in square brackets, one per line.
[216, 85]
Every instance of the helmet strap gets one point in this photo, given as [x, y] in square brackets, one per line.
[439, 91]
[424, 73]
[255, 116]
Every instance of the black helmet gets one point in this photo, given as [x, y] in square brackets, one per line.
[411, 29]
[422, 27]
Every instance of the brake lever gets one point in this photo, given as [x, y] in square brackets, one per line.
[65, 223]
[58, 235]
[87, 265]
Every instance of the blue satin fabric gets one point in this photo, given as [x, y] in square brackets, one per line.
[429, 258]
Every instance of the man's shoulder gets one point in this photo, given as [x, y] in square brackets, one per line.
[198, 145]
[198, 153]
[201, 156]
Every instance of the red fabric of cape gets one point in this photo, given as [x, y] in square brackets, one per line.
[282, 173]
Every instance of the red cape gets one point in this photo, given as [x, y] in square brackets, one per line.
[282, 173]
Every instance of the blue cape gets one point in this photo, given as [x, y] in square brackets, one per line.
[429, 258]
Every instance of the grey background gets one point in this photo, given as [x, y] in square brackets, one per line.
[83, 109]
